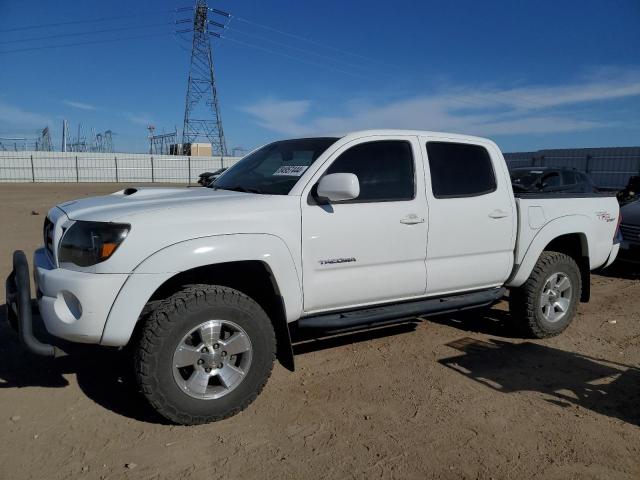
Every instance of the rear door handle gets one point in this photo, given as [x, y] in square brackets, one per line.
[498, 214]
[412, 219]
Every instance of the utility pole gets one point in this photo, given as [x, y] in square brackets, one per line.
[151, 129]
[65, 132]
[202, 119]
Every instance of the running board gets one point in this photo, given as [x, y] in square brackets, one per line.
[403, 311]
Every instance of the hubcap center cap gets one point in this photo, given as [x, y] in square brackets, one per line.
[210, 360]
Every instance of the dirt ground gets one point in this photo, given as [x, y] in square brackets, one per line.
[458, 396]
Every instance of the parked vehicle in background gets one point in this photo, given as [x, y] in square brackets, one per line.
[631, 192]
[630, 229]
[548, 179]
[206, 178]
[325, 233]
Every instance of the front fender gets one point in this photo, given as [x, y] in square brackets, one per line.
[572, 224]
[156, 269]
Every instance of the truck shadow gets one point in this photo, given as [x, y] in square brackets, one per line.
[489, 321]
[564, 378]
[104, 375]
[625, 270]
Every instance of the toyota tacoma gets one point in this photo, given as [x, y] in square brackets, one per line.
[323, 234]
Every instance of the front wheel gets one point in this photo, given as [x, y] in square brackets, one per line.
[547, 302]
[205, 354]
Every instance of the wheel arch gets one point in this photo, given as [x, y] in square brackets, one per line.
[569, 235]
[576, 246]
[258, 265]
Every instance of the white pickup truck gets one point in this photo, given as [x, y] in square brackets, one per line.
[325, 233]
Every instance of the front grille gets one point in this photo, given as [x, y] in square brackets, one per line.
[631, 233]
[48, 235]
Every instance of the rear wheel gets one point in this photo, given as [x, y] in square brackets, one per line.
[547, 302]
[205, 354]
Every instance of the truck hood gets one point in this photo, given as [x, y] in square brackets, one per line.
[134, 201]
[162, 217]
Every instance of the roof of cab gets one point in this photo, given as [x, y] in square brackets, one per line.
[391, 132]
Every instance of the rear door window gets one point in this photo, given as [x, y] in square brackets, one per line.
[460, 170]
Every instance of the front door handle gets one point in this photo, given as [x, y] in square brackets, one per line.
[498, 214]
[412, 219]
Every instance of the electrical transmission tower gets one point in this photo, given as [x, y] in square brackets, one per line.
[43, 142]
[102, 142]
[163, 144]
[202, 119]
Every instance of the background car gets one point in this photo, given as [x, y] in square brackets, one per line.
[630, 229]
[547, 179]
[206, 178]
[631, 192]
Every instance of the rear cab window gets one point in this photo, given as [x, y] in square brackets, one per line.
[460, 170]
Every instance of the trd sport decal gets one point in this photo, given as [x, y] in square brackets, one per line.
[605, 216]
[332, 261]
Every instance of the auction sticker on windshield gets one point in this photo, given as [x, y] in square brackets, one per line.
[290, 170]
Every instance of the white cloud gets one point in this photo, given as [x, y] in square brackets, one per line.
[79, 105]
[16, 118]
[482, 111]
[139, 119]
[286, 115]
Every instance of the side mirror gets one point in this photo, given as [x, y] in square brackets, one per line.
[339, 186]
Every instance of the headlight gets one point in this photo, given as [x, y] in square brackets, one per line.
[87, 243]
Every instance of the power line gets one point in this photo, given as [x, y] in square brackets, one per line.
[483, 100]
[73, 34]
[94, 20]
[479, 100]
[314, 42]
[258, 47]
[86, 43]
[303, 50]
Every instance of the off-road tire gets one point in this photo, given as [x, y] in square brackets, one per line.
[164, 328]
[525, 302]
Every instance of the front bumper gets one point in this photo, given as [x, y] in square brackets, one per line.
[19, 312]
[74, 305]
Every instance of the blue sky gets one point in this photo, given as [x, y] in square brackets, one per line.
[528, 74]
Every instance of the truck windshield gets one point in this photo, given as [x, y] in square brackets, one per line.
[275, 168]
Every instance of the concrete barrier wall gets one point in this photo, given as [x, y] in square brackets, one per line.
[609, 167]
[105, 167]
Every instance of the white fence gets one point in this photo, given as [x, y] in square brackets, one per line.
[105, 167]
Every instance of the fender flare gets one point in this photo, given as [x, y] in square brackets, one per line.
[571, 224]
[162, 265]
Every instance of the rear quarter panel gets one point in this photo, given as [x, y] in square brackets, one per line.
[541, 220]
